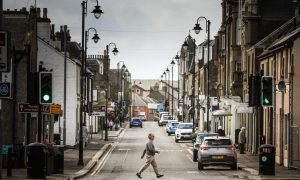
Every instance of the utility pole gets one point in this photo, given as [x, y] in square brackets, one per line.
[65, 84]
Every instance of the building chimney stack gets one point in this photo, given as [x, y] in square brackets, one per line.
[45, 13]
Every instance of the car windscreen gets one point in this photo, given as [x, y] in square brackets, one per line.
[217, 142]
[200, 137]
[185, 126]
[141, 116]
[174, 124]
[167, 117]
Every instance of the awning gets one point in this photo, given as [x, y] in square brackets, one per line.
[221, 112]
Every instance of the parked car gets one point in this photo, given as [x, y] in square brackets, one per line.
[170, 122]
[183, 131]
[156, 117]
[172, 126]
[135, 121]
[198, 142]
[217, 150]
[164, 120]
[143, 117]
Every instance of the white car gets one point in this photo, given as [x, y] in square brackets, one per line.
[164, 120]
[183, 131]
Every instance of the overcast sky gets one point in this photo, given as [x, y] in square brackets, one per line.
[148, 33]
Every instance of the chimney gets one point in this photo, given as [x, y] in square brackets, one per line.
[45, 13]
[38, 13]
[52, 36]
[23, 9]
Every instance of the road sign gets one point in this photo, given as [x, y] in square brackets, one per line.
[181, 101]
[4, 51]
[5, 148]
[5, 90]
[55, 109]
[33, 108]
[28, 108]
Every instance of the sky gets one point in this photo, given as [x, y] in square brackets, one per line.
[148, 33]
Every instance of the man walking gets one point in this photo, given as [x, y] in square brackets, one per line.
[242, 140]
[150, 151]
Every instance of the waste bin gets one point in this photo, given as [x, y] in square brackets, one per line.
[267, 159]
[59, 160]
[36, 161]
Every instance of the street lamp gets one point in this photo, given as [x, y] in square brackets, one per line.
[172, 64]
[197, 30]
[97, 13]
[120, 81]
[168, 86]
[192, 108]
[165, 74]
[178, 84]
[115, 52]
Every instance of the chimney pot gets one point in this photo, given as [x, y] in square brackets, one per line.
[45, 13]
[38, 13]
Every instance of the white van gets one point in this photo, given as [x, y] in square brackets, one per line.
[142, 116]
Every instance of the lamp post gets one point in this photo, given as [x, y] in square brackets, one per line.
[120, 80]
[185, 47]
[178, 83]
[168, 86]
[115, 52]
[172, 64]
[165, 74]
[97, 13]
[197, 30]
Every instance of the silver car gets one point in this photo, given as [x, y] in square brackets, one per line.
[198, 142]
[217, 151]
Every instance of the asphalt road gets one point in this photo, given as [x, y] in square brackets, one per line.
[174, 161]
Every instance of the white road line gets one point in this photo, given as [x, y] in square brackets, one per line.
[188, 156]
[125, 158]
[190, 151]
[103, 160]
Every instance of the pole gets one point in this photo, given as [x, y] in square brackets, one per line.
[183, 89]
[172, 94]
[168, 85]
[106, 94]
[65, 85]
[166, 91]
[193, 87]
[178, 87]
[1, 132]
[80, 159]
[207, 89]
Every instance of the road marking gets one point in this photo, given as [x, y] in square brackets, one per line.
[123, 162]
[190, 151]
[192, 172]
[188, 156]
[103, 160]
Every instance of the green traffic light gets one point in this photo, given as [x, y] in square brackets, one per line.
[266, 101]
[46, 97]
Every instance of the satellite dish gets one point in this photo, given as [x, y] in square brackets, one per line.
[281, 86]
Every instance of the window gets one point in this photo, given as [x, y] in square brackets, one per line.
[238, 66]
[238, 32]
[223, 42]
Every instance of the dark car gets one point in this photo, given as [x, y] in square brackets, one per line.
[198, 142]
[136, 122]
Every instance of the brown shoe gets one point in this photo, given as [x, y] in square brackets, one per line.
[159, 176]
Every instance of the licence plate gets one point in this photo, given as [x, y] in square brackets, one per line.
[217, 157]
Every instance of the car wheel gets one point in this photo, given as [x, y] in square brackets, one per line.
[176, 140]
[130, 126]
[195, 155]
[169, 134]
[141, 126]
[200, 166]
[234, 166]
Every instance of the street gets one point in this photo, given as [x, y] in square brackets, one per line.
[174, 160]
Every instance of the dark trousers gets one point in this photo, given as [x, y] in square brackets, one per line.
[242, 148]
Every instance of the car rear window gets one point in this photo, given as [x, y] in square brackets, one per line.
[217, 142]
[200, 137]
[167, 117]
[174, 124]
[135, 120]
[185, 126]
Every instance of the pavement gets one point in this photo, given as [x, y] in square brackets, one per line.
[94, 150]
[250, 163]
[97, 147]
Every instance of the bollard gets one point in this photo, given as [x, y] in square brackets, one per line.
[9, 162]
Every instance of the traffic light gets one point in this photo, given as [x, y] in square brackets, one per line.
[45, 88]
[254, 90]
[267, 90]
